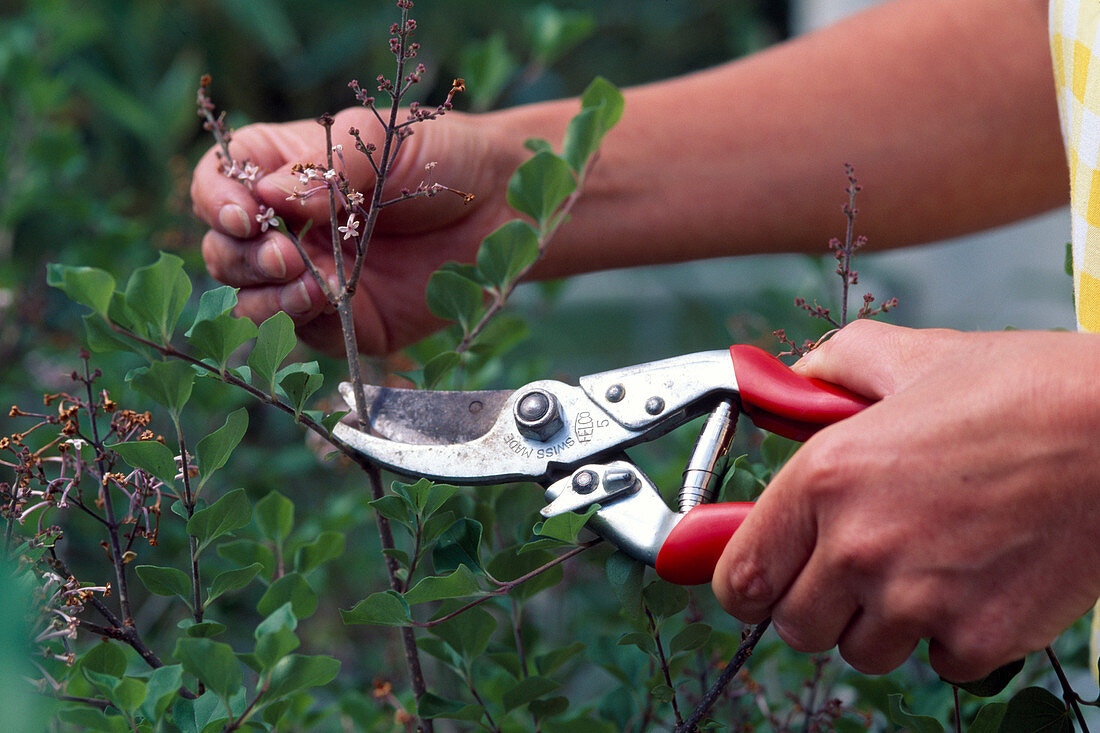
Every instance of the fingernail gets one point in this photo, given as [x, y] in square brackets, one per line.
[270, 262]
[234, 220]
[294, 298]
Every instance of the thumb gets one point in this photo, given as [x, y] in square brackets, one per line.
[867, 357]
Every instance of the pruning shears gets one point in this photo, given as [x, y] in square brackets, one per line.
[570, 439]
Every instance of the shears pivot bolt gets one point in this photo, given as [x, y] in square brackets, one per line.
[538, 415]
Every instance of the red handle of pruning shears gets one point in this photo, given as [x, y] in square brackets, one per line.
[780, 401]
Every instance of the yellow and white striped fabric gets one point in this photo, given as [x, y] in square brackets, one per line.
[1073, 31]
[1074, 26]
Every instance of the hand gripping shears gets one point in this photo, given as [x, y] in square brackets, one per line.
[571, 440]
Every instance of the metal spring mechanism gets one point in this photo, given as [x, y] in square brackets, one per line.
[708, 457]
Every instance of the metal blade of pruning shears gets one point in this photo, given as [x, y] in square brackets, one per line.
[423, 417]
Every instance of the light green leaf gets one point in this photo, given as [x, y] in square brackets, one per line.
[164, 581]
[625, 576]
[901, 715]
[106, 658]
[528, 689]
[298, 382]
[553, 32]
[214, 450]
[88, 286]
[299, 672]
[275, 340]
[439, 367]
[566, 526]
[273, 646]
[228, 513]
[459, 584]
[327, 546]
[601, 108]
[217, 338]
[452, 297]
[167, 382]
[212, 662]
[204, 629]
[291, 588]
[161, 688]
[128, 694]
[539, 186]
[101, 339]
[387, 608]
[150, 456]
[394, 508]
[157, 293]
[281, 618]
[214, 303]
[231, 580]
[468, 633]
[460, 544]
[275, 517]
[505, 253]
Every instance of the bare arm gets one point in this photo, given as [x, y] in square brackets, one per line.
[946, 108]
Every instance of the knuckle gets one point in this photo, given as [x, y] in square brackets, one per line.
[745, 592]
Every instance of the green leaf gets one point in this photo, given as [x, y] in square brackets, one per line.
[298, 672]
[487, 66]
[510, 564]
[163, 581]
[274, 517]
[433, 706]
[1035, 710]
[232, 580]
[505, 253]
[275, 340]
[212, 662]
[216, 339]
[106, 658]
[988, 719]
[213, 304]
[327, 546]
[538, 145]
[128, 694]
[394, 508]
[88, 286]
[328, 422]
[214, 450]
[549, 707]
[601, 108]
[167, 382]
[994, 682]
[690, 638]
[459, 584]
[777, 450]
[901, 716]
[299, 382]
[468, 633]
[553, 32]
[387, 608]
[246, 551]
[228, 513]
[157, 293]
[439, 366]
[281, 618]
[527, 690]
[551, 661]
[662, 693]
[99, 337]
[452, 297]
[150, 456]
[273, 646]
[665, 599]
[625, 574]
[291, 587]
[205, 629]
[459, 545]
[161, 688]
[539, 186]
[566, 526]
[641, 640]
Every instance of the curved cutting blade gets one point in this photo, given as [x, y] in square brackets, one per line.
[423, 417]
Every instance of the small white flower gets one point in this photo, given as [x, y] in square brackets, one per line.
[338, 148]
[249, 174]
[330, 175]
[355, 199]
[352, 228]
[77, 443]
[267, 219]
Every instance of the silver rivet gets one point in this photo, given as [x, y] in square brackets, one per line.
[476, 406]
[538, 415]
[615, 393]
[585, 481]
[654, 405]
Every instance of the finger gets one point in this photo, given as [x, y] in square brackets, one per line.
[868, 357]
[765, 554]
[221, 202]
[817, 608]
[874, 645]
[301, 299]
[269, 259]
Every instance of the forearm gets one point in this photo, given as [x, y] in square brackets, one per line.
[945, 108]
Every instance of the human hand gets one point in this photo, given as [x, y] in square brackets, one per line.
[412, 239]
[961, 508]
